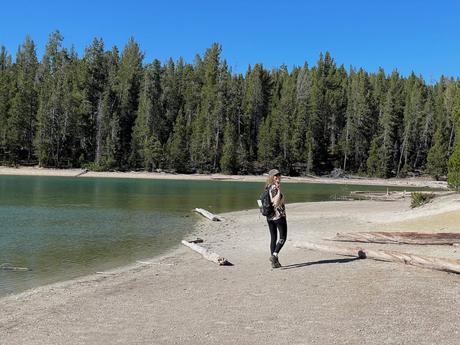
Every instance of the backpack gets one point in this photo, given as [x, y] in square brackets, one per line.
[265, 204]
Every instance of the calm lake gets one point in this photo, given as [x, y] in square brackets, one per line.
[65, 227]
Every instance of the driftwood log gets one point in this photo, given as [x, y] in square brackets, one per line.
[446, 238]
[207, 214]
[9, 267]
[208, 255]
[440, 264]
[84, 171]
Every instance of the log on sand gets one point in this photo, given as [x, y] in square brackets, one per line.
[446, 238]
[207, 214]
[440, 264]
[208, 255]
[84, 171]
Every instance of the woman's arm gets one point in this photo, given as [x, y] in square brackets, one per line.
[276, 195]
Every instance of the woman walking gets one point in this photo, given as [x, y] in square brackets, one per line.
[277, 221]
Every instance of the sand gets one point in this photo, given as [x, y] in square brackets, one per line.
[355, 180]
[316, 298]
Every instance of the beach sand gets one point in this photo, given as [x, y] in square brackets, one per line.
[316, 298]
[355, 180]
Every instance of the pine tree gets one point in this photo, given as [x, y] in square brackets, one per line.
[108, 115]
[437, 156]
[94, 69]
[328, 106]
[385, 146]
[129, 80]
[24, 105]
[150, 126]
[301, 121]
[255, 109]
[171, 98]
[6, 84]
[56, 122]
[360, 122]
[203, 140]
[231, 137]
[413, 114]
[178, 154]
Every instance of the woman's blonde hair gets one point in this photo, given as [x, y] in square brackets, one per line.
[270, 180]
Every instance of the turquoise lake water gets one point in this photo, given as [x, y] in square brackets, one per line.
[64, 227]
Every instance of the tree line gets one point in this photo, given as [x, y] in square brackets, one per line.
[109, 110]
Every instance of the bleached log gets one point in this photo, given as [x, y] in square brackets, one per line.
[9, 267]
[446, 238]
[440, 264]
[208, 255]
[207, 214]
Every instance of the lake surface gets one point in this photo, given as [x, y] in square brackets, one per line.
[65, 227]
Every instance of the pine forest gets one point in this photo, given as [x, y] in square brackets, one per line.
[111, 110]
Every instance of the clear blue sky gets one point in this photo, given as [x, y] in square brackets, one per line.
[408, 35]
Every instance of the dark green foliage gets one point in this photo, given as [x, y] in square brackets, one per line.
[419, 199]
[129, 78]
[108, 111]
[437, 157]
[6, 86]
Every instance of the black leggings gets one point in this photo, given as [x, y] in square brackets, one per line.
[273, 226]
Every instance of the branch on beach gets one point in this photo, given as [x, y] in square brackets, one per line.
[208, 255]
[207, 214]
[440, 264]
[84, 171]
[446, 238]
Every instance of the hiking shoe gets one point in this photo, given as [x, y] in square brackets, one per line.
[275, 262]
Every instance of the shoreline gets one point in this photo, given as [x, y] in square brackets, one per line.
[421, 182]
[317, 298]
[34, 171]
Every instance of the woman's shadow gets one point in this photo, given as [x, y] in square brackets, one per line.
[332, 261]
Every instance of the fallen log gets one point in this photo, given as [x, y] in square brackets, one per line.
[445, 238]
[440, 264]
[378, 196]
[9, 267]
[207, 214]
[208, 255]
[84, 171]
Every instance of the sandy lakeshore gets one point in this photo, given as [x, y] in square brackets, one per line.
[355, 180]
[315, 298]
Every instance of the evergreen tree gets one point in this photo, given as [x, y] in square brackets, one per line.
[6, 85]
[255, 109]
[413, 115]
[108, 116]
[56, 121]
[177, 146]
[301, 123]
[24, 104]
[385, 146]
[437, 156]
[129, 80]
[231, 138]
[150, 127]
[94, 69]
[203, 140]
[360, 122]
